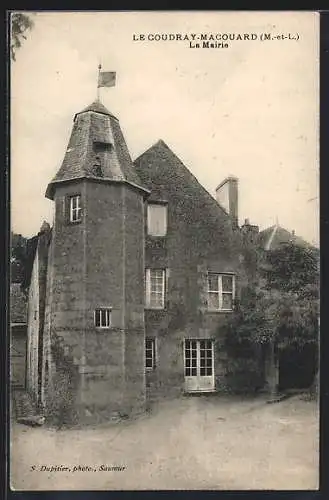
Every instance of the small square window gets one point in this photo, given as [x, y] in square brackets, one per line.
[75, 208]
[102, 317]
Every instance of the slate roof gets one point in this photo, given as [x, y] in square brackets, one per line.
[274, 236]
[18, 304]
[159, 165]
[170, 180]
[96, 125]
[96, 107]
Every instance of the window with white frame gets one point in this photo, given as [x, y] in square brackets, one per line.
[75, 208]
[102, 317]
[155, 288]
[156, 219]
[149, 353]
[221, 290]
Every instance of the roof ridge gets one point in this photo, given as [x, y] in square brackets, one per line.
[97, 107]
[162, 143]
[159, 142]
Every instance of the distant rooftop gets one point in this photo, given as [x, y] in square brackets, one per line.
[274, 236]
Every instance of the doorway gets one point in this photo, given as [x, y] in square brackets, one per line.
[297, 367]
[199, 365]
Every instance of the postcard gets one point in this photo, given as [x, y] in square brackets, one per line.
[164, 295]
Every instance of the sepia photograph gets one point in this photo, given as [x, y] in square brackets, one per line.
[164, 250]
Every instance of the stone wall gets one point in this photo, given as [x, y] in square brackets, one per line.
[200, 238]
[99, 262]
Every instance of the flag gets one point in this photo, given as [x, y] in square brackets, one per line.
[106, 79]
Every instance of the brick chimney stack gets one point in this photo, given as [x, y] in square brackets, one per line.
[250, 231]
[227, 197]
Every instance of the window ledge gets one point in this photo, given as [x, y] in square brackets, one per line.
[73, 222]
[154, 308]
[219, 311]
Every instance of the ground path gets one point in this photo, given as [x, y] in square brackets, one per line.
[190, 443]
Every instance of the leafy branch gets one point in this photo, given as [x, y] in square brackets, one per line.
[20, 25]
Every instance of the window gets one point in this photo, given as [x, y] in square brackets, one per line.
[149, 353]
[75, 208]
[102, 317]
[156, 220]
[155, 288]
[100, 147]
[97, 169]
[221, 288]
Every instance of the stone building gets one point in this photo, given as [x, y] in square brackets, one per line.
[135, 277]
[18, 336]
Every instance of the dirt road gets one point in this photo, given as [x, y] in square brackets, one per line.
[216, 443]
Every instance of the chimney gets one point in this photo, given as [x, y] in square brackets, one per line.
[227, 197]
[250, 231]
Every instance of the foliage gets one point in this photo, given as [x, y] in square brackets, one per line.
[291, 268]
[60, 408]
[283, 306]
[20, 24]
[18, 258]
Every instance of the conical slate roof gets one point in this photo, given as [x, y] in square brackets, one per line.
[96, 149]
[96, 107]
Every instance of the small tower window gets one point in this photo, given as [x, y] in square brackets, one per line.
[97, 169]
[75, 208]
[102, 317]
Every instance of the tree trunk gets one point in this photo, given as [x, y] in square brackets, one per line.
[272, 370]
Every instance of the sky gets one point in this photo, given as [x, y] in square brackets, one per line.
[249, 110]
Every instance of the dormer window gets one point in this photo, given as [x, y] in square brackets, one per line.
[75, 208]
[156, 219]
[100, 147]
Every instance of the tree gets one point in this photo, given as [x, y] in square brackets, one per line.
[281, 308]
[20, 25]
[18, 258]
[291, 290]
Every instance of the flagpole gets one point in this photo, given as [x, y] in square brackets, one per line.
[99, 70]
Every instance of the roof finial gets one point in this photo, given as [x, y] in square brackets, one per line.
[98, 80]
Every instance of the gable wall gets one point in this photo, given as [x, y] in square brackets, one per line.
[199, 239]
